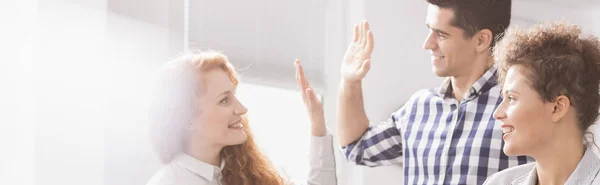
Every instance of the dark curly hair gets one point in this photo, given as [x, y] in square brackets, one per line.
[475, 15]
[557, 61]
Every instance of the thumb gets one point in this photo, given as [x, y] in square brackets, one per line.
[364, 68]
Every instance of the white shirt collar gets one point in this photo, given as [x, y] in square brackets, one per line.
[202, 169]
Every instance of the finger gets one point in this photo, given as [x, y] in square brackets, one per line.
[299, 80]
[355, 32]
[303, 82]
[361, 32]
[296, 64]
[365, 32]
[308, 97]
[301, 76]
[304, 96]
[370, 42]
[364, 68]
[312, 97]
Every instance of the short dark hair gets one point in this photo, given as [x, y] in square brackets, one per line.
[557, 61]
[475, 15]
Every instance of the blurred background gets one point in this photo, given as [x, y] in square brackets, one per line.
[74, 75]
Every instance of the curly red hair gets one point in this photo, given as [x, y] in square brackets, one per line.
[245, 164]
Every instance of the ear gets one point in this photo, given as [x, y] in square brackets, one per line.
[562, 105]
[484, 40]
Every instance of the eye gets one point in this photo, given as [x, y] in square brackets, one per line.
[441, 36]
[511, 98]
[224, 100]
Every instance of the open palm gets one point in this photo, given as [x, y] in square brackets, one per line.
[312, 103]
[357, 59]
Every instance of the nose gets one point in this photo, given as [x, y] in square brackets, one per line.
[500, 112]
[240, 109]
[430, 42]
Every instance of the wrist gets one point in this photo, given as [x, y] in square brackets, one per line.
[318, 128]
[318, 132]
[345, 84]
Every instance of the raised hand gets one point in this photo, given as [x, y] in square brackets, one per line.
[357, 59]
[312, 102]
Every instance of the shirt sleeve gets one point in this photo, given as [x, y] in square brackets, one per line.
[322, 161]
[380, 144]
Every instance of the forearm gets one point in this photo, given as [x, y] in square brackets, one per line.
[318, 129]
[352, 119]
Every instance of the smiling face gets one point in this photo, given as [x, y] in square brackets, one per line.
[451, 52]
[526, 117]
[219, 114]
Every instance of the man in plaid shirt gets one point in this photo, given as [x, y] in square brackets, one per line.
[444, 135]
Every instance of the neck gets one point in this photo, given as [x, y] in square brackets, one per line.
[205, 152]
[557, 161]
[462, 83]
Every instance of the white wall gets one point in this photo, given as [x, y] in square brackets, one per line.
[548, 12]
[335, 44]
[92, 69]
[68, 90]
[17, 118]
[128, 154]
[263, 36]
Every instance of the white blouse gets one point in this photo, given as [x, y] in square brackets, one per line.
[187, 170]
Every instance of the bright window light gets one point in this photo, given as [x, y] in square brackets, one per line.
[281, 127]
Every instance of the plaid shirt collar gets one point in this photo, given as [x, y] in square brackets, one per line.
[484, 83]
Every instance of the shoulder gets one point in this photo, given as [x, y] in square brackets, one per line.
[426, 93]
[164, 176]
[509, 175]
[172, 174]
[420, 96]
[416, 99]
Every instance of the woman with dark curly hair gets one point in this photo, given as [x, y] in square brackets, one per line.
[550, 76]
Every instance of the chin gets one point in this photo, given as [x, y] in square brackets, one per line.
[511, 150]
[440, 72]
[240, 139]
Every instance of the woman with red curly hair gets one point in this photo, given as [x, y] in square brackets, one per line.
[200, 131]
[550, 77]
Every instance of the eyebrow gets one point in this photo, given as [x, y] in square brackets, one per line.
[510, 91]
[224, 93]
[438, 30]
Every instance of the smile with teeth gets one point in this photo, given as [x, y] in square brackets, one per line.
[236, 125]
[438, 57]
[507, 130]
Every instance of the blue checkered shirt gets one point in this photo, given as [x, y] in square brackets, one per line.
[438, 139]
